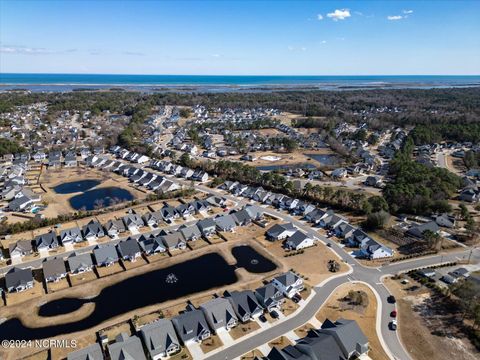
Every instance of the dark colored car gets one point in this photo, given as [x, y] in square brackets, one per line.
[262, 318]
[274, 314]
[393, 314]
[391, 299]
[329, 244]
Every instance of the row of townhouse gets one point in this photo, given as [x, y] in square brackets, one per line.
[113, 228]
[130, 249]
[327, 219]
[179, 171]
[165, 337]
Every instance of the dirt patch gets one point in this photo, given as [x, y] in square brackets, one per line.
[312, 263]
[365, 315]
[425, 332]
[17, 298]
[212, 343]
[302, 331]
[280, 342]
[244, 329]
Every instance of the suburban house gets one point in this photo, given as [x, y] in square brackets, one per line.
[371, 249]
[17, 279]
[71, 236]
[81, 263]
[115, 227]
[288, 283]
[160, 339]
[244, 304]
[445, 220]
[70, 159]
[20, 248]
[105, 255]
[219, 314]
[344, 230]
[46, 241]
[126, 347]
[348, 335]
[298, 241]
[340, 340]
[151, 244]
[191, 326]
[281, 231]
[200, 206]
[269, 297]
[242, 217]
[207, 227]
[331, 221]
[92, 352]
[133, 221]
[129, 249]
[153, 219]
[93, 230]
[174, 241]
[185, 210]
[190, 233]
[54, 270]
[225, 223]
[169, 213]
[418, 230]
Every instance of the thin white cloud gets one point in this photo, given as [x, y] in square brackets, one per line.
[216, 55]
[323, 42]
[133, 53]
[407, 12]
[28, 50]
[339, 14]
[395, 17]
[24, 50]
[320, 17]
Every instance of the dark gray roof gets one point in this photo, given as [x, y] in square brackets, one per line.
[54, 268]
[92, 352]
[218, 312]
[244, 302]
[46, 240]
[17, 276]
[297, 238]
[241, 217]
[190, 232]
[79, 261]
[159, 336]
[128, 247]
[93, 228]
[126, 348]
[225, 222]
[173, 239]
[106, 253]
[206, 224]
[190, 324]
[277, 229]
[420, 229]
[348, 333]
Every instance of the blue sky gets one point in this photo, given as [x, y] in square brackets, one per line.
[240, 37]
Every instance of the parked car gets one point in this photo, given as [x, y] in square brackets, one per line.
[262, 318]
[296, 298]
[329, 244]
[393, 325]
[393, 314]
[274, 314]
[391, 299]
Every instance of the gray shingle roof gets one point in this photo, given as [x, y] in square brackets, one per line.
[159, 336]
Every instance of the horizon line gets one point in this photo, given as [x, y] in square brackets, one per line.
[219, 75]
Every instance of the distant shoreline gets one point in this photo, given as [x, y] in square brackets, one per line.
[213, 83]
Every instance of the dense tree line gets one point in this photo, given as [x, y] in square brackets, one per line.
[10, 147]
[413, 106]
[416, 188]
[436, 133]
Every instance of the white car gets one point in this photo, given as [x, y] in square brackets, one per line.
[393, 325]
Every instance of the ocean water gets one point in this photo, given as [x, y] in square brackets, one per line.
[65, 82]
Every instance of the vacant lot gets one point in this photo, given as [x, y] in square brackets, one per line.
[425, 331]
[364, 315]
